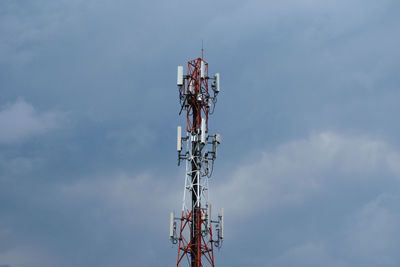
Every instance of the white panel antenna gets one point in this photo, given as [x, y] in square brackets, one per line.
[203, 131]
[179, 139]
[202, 70]
[218, 138]
[180, 76]
[171, 225]
[216, 80]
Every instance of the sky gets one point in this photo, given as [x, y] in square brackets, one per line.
[308, 171]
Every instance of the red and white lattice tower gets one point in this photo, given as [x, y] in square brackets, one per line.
[195, 232]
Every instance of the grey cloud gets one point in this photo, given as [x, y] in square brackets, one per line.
[25, 256]
[308, 254]
[98, 192]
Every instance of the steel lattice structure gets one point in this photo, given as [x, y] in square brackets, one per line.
[195, 234]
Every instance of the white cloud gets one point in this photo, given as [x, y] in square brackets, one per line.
[132, 199]
[20, 121]
[335, 198]
[368, 239]
[289, 175]
[296, 171]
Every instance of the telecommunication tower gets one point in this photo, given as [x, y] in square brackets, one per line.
[195, 232]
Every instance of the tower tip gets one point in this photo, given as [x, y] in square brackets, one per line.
[202, 49]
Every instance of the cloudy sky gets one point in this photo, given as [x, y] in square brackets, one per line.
[309, 168]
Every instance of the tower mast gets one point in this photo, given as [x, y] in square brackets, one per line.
[195, 235]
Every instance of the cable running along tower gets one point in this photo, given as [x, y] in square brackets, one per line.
[195, 232]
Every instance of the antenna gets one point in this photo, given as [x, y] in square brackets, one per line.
[171, 225]
[209, 215]
[191, 87]
[202, 70]
[195, 237]
[202, 50]
[221, 222]
[179, 139]
[203, 131]
[180, 76]
[215, 84]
